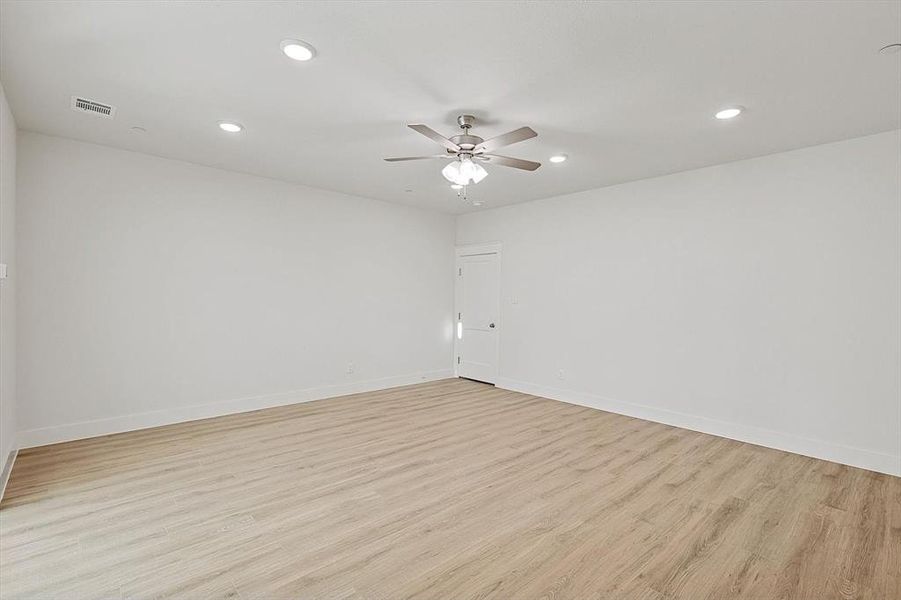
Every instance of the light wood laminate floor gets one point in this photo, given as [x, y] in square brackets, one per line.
[447, 490]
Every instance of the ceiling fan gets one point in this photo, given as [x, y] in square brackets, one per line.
[468, 150]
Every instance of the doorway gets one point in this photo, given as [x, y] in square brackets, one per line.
[477, 329]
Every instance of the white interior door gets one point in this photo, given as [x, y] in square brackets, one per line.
[478, 305]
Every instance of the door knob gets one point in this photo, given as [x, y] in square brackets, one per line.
[491, 325]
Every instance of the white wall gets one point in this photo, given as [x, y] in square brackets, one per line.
[151, 288]
[757, 300]
[7, 286]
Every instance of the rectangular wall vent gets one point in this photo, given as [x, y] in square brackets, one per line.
[93, 107]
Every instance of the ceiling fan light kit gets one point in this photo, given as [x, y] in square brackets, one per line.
[469, 150]
[464, 171]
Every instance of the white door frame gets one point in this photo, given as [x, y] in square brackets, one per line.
[474, 250]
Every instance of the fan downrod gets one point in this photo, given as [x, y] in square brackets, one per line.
[466, 141]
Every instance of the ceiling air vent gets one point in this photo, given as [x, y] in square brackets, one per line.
[93, 107]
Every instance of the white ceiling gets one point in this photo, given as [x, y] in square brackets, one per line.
[627, 90]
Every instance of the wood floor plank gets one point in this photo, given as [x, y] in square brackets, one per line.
[448, 489]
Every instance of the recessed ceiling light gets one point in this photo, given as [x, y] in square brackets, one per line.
[230, 127]
[890, 49]
[729, 113]
[456, 186]
[297, 50]
[558, 158]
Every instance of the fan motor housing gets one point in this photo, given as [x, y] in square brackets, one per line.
[466, 141]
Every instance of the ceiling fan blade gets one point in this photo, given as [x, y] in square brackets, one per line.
[517, 135]
[516, 163]
[435, 136]
[419, 157]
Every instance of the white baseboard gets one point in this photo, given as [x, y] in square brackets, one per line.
[7, 469]
[87, 429]
[855, 457]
